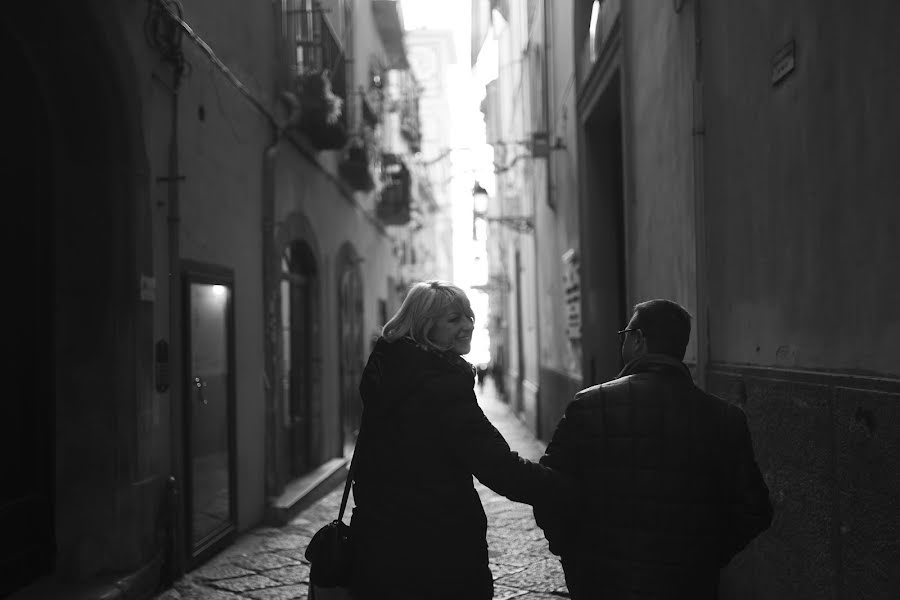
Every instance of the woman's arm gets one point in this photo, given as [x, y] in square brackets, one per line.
[478, 445]
[561, 455]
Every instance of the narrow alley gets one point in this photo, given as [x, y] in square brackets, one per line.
[267, 563]
[218, 209]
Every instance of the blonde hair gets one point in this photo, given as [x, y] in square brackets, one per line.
[424, 303]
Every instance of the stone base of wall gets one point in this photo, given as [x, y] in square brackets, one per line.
[829, 448]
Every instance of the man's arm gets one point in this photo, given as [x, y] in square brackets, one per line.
[750, 511]
[560, 455]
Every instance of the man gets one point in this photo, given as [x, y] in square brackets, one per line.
[670, 490]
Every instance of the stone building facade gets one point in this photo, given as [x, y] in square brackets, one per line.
[737, 158]
[200, 261]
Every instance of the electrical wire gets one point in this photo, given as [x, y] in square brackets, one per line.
[562, 104]
[176, 15]
[498, 168]
[161, 34]
[228, 118]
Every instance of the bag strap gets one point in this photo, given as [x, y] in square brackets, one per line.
[349, 483]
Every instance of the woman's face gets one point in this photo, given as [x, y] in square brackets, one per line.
[453, 330]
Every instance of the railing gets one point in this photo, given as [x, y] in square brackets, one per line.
[394, 205]
[410, 125]
[313, 44]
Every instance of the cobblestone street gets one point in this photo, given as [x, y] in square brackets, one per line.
[267, 563]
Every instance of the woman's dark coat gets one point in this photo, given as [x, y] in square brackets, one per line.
[418, 524]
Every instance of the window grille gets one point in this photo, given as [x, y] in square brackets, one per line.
[312, 42]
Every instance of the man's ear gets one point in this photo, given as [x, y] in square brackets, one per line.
[642, 341]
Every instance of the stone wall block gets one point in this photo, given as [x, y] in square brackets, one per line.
[867, 430]
[791, 425]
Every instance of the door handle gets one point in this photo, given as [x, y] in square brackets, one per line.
[200, 384]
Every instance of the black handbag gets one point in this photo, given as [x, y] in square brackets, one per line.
[330, 551]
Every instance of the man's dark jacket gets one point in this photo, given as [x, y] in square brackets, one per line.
[418, 526]
[670, 490]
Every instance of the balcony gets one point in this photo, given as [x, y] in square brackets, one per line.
[317, 74]
[394, 205]
[355, 168]
[410, 126]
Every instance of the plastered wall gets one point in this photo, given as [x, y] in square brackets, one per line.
[801, 184]
[658, 147]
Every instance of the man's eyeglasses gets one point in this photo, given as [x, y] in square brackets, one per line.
[626, 330]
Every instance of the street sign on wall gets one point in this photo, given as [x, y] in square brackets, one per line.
[783, 62]
[572, 294]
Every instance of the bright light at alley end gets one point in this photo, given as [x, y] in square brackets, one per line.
[477, 277]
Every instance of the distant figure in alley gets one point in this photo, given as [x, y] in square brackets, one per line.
[669, 487]
[418, 527]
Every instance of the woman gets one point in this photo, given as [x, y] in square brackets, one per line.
[418, 526]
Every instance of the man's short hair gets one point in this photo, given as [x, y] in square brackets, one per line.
[665, 324]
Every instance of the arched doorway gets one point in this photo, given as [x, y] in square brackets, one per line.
[301, 368]
[350, 324]
[79, 437]
[27, 425]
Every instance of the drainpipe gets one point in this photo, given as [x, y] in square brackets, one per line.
[164, 36]
[545, 76]
[702, 316]
[173, 219]
[271, 317]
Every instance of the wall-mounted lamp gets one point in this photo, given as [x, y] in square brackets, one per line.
[541, 147]
[521, 223]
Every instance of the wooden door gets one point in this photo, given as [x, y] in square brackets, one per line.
[351, 332]
[27, 427]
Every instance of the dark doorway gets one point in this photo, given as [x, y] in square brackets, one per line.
[27, 424]
[603, 236]
[209, 410]
[350, 322]
[300, 330]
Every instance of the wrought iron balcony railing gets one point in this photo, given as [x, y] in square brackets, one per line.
[312, 45]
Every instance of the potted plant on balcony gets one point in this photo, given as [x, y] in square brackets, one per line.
[395, 203]
[354, 169]
[316, 110]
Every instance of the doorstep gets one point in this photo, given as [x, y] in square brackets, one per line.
[302, 492]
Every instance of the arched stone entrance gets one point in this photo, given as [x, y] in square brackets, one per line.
[301, 357]
[83, 489]
[26, 429]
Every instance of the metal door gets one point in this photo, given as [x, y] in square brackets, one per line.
[209, 413]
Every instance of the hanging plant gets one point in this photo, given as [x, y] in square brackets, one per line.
[316, 110]
[394, 206]
[354, 169]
